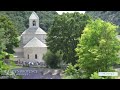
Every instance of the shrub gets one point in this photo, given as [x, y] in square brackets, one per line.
[52, 59]
[95, 76]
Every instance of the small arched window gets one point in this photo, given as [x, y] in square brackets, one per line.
[35, 56]
[34, 23]
[28, 56]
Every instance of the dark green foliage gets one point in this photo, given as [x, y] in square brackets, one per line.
[64, 33]
[8, 39]
[53, 59]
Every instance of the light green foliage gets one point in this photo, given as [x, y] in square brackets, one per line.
[71, 72]
[74, 72]
[63, 34]
[53, 59]
[95, 76]
[5, 69]
[98, 48]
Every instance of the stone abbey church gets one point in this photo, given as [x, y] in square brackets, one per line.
[32, 42]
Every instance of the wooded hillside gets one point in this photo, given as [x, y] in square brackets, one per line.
[21, 18]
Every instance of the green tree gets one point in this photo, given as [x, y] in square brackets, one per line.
[3, 41]
[97, 49]
[10, 33]
[52, 59]
[7, 34]
[5, 68]
[63, 34]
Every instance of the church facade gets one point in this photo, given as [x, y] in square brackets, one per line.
[32, 42]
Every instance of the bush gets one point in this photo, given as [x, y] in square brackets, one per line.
[73, 73]
[95, 76]
[5, 68]
[52, 59]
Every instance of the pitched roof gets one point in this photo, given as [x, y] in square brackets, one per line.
[34, 30]
[35, 43]
[40, 31]
[34, 16]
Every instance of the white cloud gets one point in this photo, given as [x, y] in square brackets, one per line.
[60, 12]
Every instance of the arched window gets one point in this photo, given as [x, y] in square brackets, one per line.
[34, 23]
[28, 56]
[35, 56]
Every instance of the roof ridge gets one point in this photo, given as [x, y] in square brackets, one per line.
[33, 16]
[35, 31]
[35, 42]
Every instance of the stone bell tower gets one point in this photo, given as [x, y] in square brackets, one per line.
[33, 20]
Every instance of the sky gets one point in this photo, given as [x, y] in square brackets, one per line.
[60, 12]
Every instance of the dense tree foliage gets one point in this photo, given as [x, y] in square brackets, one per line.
[8, 40]
[21, 18]
[111, 16]
[64, 33]
[5, 68]
[8, 34]
[97, 50]
[52, 59]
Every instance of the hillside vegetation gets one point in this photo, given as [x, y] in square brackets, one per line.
[111, 16]
[21, 18]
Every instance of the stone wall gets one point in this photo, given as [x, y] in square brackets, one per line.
[39, 51]
[26, 38]
[41, 37]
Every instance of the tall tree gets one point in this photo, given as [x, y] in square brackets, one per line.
[10, 33]
[63, 34]
[6, 37]
[98, 48]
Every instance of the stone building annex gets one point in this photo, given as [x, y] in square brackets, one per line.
[32, 42]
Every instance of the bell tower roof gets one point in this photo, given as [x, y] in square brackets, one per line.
[34, 16]
[34, 20]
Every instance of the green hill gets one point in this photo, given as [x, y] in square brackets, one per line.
[111, 16]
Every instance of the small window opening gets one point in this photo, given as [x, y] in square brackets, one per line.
[35, 56]
[34, 23]
[28, 56]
